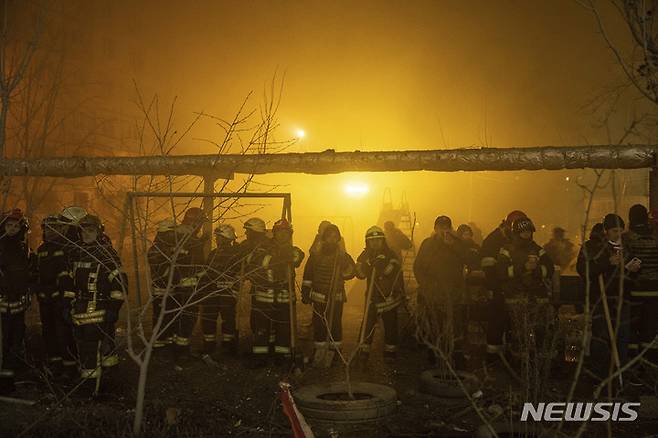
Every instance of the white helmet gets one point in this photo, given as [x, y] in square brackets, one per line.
[226, 231]
[166, 225]
[74, 214]
[255, 224]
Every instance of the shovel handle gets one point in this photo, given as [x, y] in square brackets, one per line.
[364, 322]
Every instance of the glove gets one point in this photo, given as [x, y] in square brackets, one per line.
[306, 295]
[380, 263]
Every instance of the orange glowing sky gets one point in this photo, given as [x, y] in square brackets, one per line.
[366, 75]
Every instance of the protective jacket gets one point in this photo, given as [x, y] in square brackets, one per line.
[327, 270]
[388, 288]
[99, 284]
[516, 281]
[14, 274]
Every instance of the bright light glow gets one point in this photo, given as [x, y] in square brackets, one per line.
[566, 179]
[356, 189]
[300, 133]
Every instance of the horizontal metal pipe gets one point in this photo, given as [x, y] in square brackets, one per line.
[207, 195]
[329, 162]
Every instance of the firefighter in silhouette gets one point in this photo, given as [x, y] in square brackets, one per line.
[100, 288]
[220, 286]
[385, 288]
[497, 321]
[325, 274]
[642, 241]
[14, 294]
[54, 287]
[189, 266]
[255, 251]
[163, 279]
[525, 270]
[317, 240]
[284, 259]
[608, 261]
[439, 269]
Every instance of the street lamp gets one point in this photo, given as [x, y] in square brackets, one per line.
[356, 189]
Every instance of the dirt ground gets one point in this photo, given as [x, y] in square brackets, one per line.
[201, 401]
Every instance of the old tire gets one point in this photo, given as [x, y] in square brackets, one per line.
[440, 384]
[325, 402]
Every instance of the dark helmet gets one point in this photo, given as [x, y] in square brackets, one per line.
[331, 228]
[52, 219]
[521, 225]
[464, 228]
[91, 221]
[17, 215]
[49, 223]
[513, 216]
[194, 216]
[444, 221]
[375, 232]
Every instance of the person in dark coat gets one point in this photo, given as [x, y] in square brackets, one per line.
[323, 286]
[642, 241]
[488, 259]
[386, 284]
[14, 294]
[439, 270]
[608, 262]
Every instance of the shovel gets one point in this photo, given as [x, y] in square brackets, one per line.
[324, 357]
[366, 310]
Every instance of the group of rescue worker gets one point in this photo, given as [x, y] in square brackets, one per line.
[184, 280]
[185, 286]
[618, 271]
[76, 277]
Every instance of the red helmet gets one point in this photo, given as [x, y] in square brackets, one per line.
[194, 216]
[16, 214]
[282, 225]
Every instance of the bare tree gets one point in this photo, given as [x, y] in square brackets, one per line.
[251, 133]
